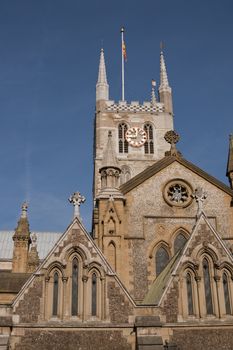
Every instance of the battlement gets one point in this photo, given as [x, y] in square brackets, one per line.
[134, 106]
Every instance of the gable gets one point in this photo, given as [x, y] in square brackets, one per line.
[163, 163]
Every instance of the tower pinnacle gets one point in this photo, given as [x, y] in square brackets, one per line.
[102, 87]
[165, 91]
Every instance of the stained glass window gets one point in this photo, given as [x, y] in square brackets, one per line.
[226, 294]
[179, 242]
[123, 144]
[93, 294]
[207, 285]
[74, 307]
[161, 259]
[55, 293]
[189, 294]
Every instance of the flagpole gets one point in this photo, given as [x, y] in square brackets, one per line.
[122, 64]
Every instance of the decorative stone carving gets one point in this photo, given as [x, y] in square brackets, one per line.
[199, 195]
[178, 193]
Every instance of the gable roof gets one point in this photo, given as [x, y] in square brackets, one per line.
[11, 282]
[161, 284]
[59, 244]
[165, 162]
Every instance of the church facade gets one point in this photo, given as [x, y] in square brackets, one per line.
[157, 270]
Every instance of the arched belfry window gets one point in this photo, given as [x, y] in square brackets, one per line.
[207, 287]
[189, 293]
[179, 242]
[123, 144]
[94, 295]
[74, 296]
[55, 294]
[149, 144]
[161, 259]
[225, 281]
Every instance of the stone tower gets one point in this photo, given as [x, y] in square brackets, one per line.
[137, 129]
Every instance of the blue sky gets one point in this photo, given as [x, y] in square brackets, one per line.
[49, 54]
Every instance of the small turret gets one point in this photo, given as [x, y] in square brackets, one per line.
[102, 87]
[22, 241]
[109, 171]
[165, 91]
[230, 161]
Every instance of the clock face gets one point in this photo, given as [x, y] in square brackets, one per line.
[136, 136]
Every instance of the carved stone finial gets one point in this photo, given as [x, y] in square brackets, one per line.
[77, 199]
[199, 195]
[24, 208]
[172, 137]
[153, 97]
[34, 239]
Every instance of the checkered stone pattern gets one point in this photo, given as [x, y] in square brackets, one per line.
[135, 108]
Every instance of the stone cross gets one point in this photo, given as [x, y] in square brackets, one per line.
[172, 137]
[199, 195]
[24, 208]
[77, 199]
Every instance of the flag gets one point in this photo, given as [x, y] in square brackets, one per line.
[124, 51]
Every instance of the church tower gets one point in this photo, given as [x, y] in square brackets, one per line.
[137, 129]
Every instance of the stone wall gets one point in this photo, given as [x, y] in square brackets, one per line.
[204, 339]
[50, 339]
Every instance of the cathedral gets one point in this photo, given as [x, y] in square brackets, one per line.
[155, 273]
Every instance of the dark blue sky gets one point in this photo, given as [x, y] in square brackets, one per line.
[49, 55]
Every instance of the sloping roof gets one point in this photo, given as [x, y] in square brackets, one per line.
[157, 288]
[163, 163]
[45, 242]
[12, 282]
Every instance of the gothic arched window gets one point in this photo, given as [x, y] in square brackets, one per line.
[161, 259]
[74, 297]
[189, 293]
[179, 242]
[207, 287]
[226, 293]
[125, 174]
[55, 294]
[112, 255]
[93, 295]
[149, 144]
[123, 144]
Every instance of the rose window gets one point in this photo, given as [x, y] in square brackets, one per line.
[178, 193]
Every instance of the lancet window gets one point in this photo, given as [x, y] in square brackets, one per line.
[189, 293]
[149, 144]
[207, 287]
[225, 281]
[94, 295]
[55, 294]
[123, 144]
[75, 285]
[161, 259]
[179, 242]
[125, 174]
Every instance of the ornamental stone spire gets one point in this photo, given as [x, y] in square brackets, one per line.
[230, 161]
[102, 87]
[165, 91]
[22, 241]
